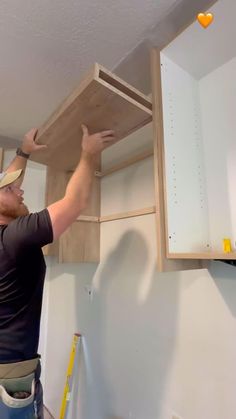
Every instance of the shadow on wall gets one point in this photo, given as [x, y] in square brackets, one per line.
[224, 276]
[127, 343]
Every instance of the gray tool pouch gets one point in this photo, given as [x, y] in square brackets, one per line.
[12, 407]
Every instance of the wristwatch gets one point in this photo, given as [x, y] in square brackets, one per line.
[21, 153]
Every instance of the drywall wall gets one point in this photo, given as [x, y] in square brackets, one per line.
[152, 343]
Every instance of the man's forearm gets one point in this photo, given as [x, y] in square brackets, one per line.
[27, 147]
[80, 185]
[17, 163]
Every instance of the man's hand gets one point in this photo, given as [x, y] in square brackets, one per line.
[95, 143]
[29, 145]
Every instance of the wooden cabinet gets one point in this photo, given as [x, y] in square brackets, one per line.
[1, 158]
[102, 101]
[55, 188]
[81, 241]
[193, 103]
[164, 263]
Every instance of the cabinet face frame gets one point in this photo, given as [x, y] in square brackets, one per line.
[1, 158]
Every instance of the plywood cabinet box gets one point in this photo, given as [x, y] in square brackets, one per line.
[194, 102]
[102, 101]
[106, 100]
[81, 241]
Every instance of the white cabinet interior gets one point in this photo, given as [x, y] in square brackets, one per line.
[198, 87]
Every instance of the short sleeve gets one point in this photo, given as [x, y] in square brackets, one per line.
[30, 230]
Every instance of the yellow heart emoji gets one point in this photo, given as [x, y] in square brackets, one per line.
[205, 19]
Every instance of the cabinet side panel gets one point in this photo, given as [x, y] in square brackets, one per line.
[80, 243]
[55, 189]
[186, 196]
[218, 104]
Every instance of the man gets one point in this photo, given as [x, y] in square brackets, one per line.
[22, 270]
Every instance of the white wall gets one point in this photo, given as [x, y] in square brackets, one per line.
[152, 343]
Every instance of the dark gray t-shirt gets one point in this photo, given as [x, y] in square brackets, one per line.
[22, 272]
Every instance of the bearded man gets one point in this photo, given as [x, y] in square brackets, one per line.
[22, 269]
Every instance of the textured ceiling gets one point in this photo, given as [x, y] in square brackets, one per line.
[47, 45]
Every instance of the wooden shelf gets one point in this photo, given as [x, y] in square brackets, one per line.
[206, 255]
[124, 164]
[113, 217]
[128, 214]
[101, 101]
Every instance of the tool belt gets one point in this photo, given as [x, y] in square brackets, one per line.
[17, 390]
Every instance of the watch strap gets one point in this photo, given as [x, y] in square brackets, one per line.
[21, 153]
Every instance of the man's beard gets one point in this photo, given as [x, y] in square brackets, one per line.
[13, 213]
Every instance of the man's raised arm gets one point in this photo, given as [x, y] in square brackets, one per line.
[23, 153]
[65, 211]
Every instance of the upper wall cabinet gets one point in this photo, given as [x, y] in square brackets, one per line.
[102, 101]
[198, 87]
